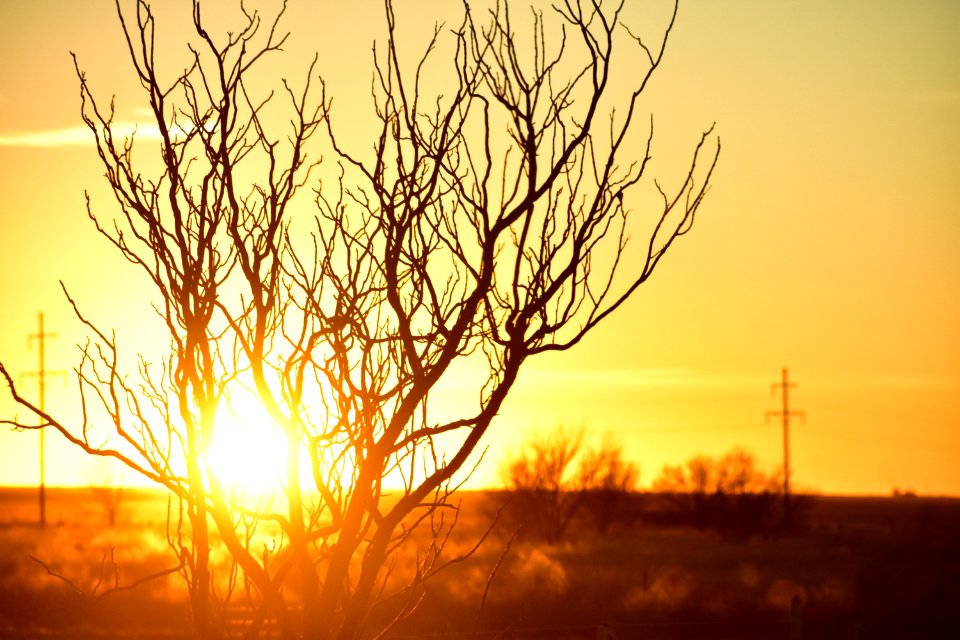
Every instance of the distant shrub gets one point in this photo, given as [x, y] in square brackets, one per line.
[606, 479]
[728, 493]
[552, 481]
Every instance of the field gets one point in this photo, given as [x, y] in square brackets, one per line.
[851, 568]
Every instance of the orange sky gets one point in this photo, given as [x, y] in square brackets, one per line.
[828, 243]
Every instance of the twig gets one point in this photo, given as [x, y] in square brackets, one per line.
[493, 573]
[117, 588]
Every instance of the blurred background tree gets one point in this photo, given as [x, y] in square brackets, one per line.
[727, 493]
[554, 480]
[607, 480]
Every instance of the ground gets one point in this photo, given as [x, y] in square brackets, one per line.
[877, 567]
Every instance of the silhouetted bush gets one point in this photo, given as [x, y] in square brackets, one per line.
[728, 493]
[547, 492]
[605, 479]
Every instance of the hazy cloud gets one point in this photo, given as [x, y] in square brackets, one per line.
[881, 381]
[665, 377]
[79, 135]
[52, 138]
[644, 377]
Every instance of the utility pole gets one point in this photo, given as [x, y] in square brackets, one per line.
[41, 374]
[785, 414]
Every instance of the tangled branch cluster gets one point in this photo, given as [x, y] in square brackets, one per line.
[448, 242]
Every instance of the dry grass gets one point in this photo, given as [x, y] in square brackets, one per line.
[78, 544]
[890, 566]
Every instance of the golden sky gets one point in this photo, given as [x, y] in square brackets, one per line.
[828, 244]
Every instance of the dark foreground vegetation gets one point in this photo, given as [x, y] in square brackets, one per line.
[856, 568]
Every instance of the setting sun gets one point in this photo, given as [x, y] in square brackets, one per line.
[249, 453]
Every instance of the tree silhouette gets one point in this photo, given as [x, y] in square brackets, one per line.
[606, 479]
[552, 479]
[727, 493]
[489, 224]
[543, 498]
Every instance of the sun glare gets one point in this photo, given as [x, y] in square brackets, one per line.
[248, 454]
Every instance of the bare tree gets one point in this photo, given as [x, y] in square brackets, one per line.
[449, 241]
[606, 479]
[543, 496]
[552, 479]
[727, 493]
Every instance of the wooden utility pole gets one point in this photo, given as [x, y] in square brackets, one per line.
[41, 374]
[786, 413]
